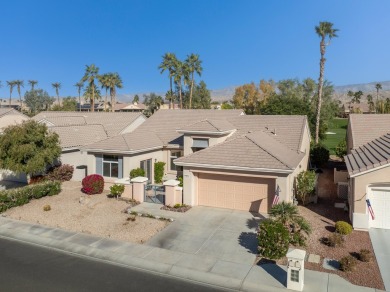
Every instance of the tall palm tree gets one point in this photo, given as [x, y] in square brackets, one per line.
[103, 80]
[79, 86]
[19, 84]
[168, 63]
[194, 64]
[180, 72]
[325, 31]
[378, 86]
[32, 83]
[57, 87]
[91, 74]
[11, 84]
[114, 81]
[370, 101]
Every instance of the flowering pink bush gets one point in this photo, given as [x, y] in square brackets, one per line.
[93, 184]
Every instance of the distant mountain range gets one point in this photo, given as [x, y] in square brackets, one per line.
[340, 92]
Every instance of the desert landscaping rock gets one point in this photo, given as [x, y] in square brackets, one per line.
[97, 215]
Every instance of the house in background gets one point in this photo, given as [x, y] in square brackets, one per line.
[227, 159]
[368, 164]
[78, 129]
[130, 107]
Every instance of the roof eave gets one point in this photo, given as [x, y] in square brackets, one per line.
[214, 133]
[93, 150]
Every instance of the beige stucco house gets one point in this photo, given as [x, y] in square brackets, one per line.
[368, 164]
[227, 159]
[78, 129]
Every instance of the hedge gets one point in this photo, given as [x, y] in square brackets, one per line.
[20, 196]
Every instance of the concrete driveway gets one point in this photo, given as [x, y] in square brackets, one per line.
[212, 233]
[380, 239]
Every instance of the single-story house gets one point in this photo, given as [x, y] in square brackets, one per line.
[8, 117]
[130, 107]
[78, 129]
[368, 164]
[227, 159]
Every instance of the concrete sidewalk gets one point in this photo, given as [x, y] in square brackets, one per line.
[242, 277]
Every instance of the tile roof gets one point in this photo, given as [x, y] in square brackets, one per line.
[81, 135]
[369, 156]
[114, 123]
[253, 150]
[208, 126]
[365, 128]
[128, 142]
[5, 111]
[165, 123]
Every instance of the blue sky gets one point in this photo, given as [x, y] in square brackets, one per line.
[238, 41]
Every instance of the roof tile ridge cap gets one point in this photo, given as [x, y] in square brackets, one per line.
[197, 122]
[305, 122]
[212, 124]
[127, 144]
[273, 155]
[350, 126]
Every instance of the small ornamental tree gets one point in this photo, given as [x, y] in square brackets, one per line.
[93, 184]
[341, 149]
[158, 172]
[319, 155]
[273, 239]
[306, 182]
[28, 148]
[136, 172]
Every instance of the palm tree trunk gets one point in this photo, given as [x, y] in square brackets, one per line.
[20, 100]
[10, 96]
[181, 99]
[105, 102]
[192, 86]
[93, 99]
[170, 101]
[320, 85]
[114, 98]
[79, 102]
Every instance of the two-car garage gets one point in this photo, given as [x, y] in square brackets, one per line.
[245, 193]
[380, 203]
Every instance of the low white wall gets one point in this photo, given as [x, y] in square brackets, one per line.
[340, 176]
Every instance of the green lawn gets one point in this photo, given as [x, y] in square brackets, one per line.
[338, 126]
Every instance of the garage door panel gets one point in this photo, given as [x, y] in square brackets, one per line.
[380, 202]
[235, 192]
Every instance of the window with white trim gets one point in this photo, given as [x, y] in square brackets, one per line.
[110, 166]
[174, 154]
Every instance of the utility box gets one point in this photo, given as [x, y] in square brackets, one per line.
[295, 269]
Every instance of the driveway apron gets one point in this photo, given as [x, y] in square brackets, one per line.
[212, 233]
[380, 239]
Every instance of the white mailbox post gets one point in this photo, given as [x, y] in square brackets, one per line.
[295, 269]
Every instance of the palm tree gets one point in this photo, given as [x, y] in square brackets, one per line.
[181, 70]
[11, 85]
[91, 74]
[91, 93]
[194, 64]
[1, 100]
[378, 86]
[103, 80]
[57, 87]
[370, 101]
[19, 84]
[168, 63]
[114, 81]
[79, 86]
[153, 102]
[324, 30]
[32, 83]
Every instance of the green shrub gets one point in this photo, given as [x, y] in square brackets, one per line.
[343, 227]
[180, 179]
[158, 172]
[46, 208]
[341, 149]
[319, 155]
[62, 173]
[306, 182]
[136, 172]
[335, 240]
[364, 255]
[117, 190]
[273, 239]
[20, 196]
[348, 263]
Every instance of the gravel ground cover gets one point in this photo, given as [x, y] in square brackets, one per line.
[96, 214]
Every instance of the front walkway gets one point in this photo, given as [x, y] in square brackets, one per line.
[380, 239]
[241, 277]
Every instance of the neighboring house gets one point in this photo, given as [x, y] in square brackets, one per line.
[227, 159]
[8, 117]
[130, 107]
[368, 164]
[77, 130]
[167, 106]
[357, 108]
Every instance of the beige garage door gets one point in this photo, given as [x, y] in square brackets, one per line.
[235, 192]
